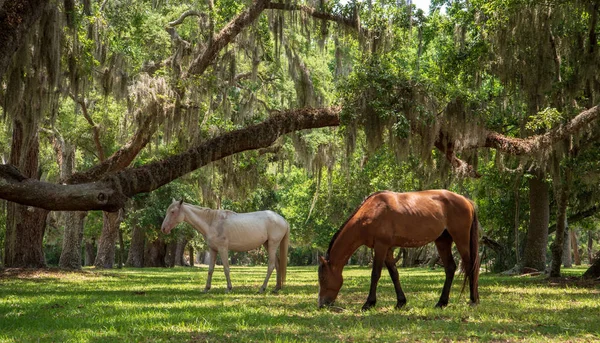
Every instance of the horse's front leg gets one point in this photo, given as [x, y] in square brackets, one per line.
[390, 263]
[225, 259]
[211, 268]
[378, 260]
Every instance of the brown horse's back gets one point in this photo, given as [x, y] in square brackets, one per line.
[413, 219]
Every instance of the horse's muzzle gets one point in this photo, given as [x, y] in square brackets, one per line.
[325, 302]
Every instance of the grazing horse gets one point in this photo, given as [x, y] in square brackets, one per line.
[226, 230]
[386, 220]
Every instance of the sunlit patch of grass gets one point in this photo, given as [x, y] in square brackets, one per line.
[156, 305]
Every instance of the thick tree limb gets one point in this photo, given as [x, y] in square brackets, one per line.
[225, 36]
[185, 15]
[534, 144]
[110, 193]
[577, 217]
[95, 131]
[122, 157]
[16, 19]
[349, 22]
[447, 147]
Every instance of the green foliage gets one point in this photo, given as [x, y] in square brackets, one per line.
[544, 119]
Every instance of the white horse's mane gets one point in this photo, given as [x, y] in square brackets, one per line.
[208, 208]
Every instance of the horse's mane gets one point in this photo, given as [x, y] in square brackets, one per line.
[211, 209]
[335, 236]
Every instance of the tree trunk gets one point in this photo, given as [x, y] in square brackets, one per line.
[25, 225]
[180, 251]
[154, 255]
[16, 19]
[90, 252]
[105, 258]
[121, 248]
[534, 255]
[590, 246]
[561, 223]
[593, 271]
[575, 247]
[567, 260]
[170, 254]
[70, 257]
[206, 257]
[191, 253]
[135, 258]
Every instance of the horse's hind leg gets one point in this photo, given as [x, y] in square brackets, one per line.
[390, 263]
[272, 251]
[378, 261]
[444, 247]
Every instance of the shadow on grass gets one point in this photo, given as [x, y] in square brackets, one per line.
[168, 305]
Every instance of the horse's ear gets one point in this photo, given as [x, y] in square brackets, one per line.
[181, 202]
[174, 201]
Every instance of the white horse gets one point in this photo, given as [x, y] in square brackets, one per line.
[226, 230]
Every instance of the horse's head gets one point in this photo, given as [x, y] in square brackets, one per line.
[173, 216]
[330, 282]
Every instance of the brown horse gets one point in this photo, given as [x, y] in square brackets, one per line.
[386, 220]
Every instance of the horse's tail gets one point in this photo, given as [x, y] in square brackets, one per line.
[283, 252]
[473, 274]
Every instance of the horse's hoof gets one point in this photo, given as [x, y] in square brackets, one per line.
[261, 290]
[473, 304]
[275, 291]
[206, 290]
[368, 306]
[400, 304]
[441, 305]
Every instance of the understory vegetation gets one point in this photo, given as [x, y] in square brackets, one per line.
[166, 305]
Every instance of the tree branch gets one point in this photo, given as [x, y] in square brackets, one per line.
[185, 15]
[96, 132]
[110, 193]
[577, 217]
[534, 144]
[224, 37]
[349, 22]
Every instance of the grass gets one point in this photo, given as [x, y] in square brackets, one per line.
[167, 305]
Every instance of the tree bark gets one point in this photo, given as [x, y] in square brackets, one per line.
[170, 254]
[191, 253]
[25, 225]
[567, 259]
[593, 271]
[537, 233]
[561, 222]
[180, 251]
[121, 254]
[590, 245]
[16, 19]
[575, 247]
[155, 254]
[70, 257]
[90, 252]
[105, 257]
[111, 192]
[135, 258]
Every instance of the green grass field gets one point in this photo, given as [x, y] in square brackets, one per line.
[167, 305]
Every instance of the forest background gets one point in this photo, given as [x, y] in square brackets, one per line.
[207, 101]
